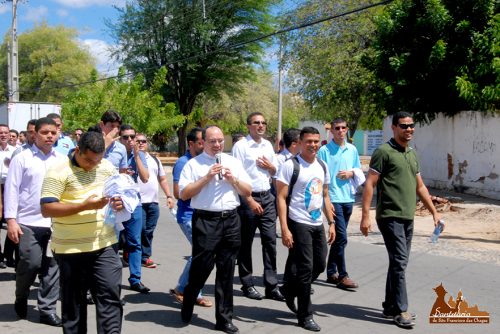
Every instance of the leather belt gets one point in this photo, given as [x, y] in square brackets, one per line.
[260, 193]
[216, 214]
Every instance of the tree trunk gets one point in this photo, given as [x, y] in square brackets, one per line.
[181, 137]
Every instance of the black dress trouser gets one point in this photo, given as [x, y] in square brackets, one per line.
[216, 241]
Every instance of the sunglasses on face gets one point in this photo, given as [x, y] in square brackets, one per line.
[338, 128]
[127, 137]
[259, 122]
[141, 141]
[406, 126]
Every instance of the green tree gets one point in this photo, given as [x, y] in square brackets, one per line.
[141, 106]
[230, 112]
[202, 47]
[437, 56]
[325, 61]
[51, 61]
[479, 81]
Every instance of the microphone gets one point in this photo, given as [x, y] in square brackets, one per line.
[218, 160]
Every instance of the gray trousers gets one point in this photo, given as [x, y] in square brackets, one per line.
[32, 261]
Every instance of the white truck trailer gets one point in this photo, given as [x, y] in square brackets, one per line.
[17, 114]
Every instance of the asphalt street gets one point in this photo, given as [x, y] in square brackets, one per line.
[335, 310]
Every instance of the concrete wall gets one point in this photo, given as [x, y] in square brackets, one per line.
[460, 153]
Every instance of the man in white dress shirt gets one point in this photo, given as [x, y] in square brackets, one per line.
[213, 189]
[259, 209]
[28, 228]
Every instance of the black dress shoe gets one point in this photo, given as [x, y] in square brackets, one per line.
[139, 287]
[310, 325]
[275, 295]
[252, 293]
[21, 307]
[227, 328]
[187, 311]
[51, 320]
[2, 265]
[289, 299]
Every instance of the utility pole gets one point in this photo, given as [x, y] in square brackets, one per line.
[13, 58]
[280, 93]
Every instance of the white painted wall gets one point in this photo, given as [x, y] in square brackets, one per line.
[324, 134]
[460, 153]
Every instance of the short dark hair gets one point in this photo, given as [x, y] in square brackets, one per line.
[308, 129]
[95, 128]
[252, 115]
[290, 136]
[79, 129]
[92, 141]
[400, 114]
[31, 122]
[24, 133]
[124, 127]
[44, 121]
[111, 116]
[193, 133]
[337, 121]
[4, 125]
[237, 136]
[53, 115]
[14, 131]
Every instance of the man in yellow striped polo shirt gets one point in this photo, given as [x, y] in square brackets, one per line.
[84, 245]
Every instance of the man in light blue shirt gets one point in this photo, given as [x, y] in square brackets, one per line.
[341, 158]
[116, 152]
[63, 144]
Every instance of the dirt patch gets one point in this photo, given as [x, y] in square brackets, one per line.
[472, 229]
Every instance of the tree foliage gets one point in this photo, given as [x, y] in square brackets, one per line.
[140, 106]
[197, 49]
[230, 112]
[50, 62]
[433, 56]
[325, 61]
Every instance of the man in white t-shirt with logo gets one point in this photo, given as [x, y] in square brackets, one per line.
[301, 222]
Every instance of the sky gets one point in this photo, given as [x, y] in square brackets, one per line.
[87, 16]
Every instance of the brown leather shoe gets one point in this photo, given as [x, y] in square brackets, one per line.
[347, 283]
[334, 279]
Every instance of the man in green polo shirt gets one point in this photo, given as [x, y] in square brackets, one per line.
[395, 171]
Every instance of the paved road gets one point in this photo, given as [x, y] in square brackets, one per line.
[335, 310]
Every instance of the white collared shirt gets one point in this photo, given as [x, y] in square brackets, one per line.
[280, 160]
[5, 156]
[24, 184]
[217, 195]
[248, 151]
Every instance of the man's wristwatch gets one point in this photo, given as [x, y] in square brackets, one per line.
[331, 222]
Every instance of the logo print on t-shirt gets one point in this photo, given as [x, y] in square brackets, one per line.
[314, 198]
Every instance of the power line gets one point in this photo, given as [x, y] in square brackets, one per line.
[222, 49]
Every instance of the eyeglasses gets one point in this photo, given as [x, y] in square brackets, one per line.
[259, 123]
[338, 128]
[127, 137]
[141, 141]
[406, 126]
[215, 141]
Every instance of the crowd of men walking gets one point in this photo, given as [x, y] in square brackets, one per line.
[58, 228]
